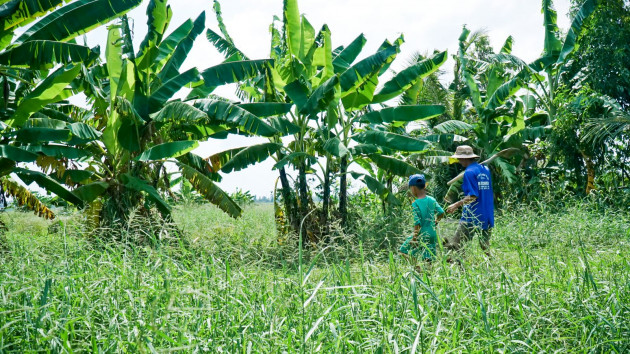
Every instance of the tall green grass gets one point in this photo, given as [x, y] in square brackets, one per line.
[557, 281]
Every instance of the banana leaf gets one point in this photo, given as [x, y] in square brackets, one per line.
[16, 154]
[48, 184]
[394, 166]
[245, 157]
[409, 77]
[168, 150]
[210, 191]
[390, 140]
[77, 18]
[234, 115]
[402, 114]
[142, 186]
[40, 55]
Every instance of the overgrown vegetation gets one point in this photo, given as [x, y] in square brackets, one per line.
[558, 279]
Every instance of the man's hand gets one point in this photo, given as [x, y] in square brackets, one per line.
[452, 208]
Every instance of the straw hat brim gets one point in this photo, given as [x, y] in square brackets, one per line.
[473, 156]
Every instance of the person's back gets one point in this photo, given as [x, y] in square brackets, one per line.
[478, 182]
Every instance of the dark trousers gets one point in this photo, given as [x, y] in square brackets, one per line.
[465, 232]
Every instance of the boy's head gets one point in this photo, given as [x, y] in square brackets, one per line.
[417, 183]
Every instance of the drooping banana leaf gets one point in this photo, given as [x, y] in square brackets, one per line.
[16, 154]
[20, 13]
[76, 176]
[363, 149]
[266, 109]
[168, 150]
[227, 73]
[394, 166]
[335, 147]
[201, 165]
[37, 135]
[25, 198]
[181, 112]
[378, 188]
[49, 184]
[390, 140]
[402, 114]
[77, 18]
[60, 151]
[206, 187]
[452, 126]
[283, 126]
[248, 156]
[294, 158]
[298, 93]
[40, 55]
[139, 185]
[234, 115]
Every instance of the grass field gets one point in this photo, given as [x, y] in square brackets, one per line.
[556, 282]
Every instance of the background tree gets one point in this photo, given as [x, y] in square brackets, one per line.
[602, 57]
[33, 92]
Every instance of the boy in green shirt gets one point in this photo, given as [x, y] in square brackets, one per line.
[425, 209]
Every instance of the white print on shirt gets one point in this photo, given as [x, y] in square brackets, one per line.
[483, 182]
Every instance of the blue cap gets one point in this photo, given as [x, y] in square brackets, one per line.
[417, 180]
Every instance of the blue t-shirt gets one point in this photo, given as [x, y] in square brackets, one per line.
[478, 183]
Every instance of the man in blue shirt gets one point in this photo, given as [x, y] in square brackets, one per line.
[478, 202]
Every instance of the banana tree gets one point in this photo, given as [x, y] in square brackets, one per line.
[501, 119]
[329, 94]
[32, 92]
[146, 134]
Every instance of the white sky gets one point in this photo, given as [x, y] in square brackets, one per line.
[426, 24]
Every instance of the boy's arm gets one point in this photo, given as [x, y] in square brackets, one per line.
[416, 232]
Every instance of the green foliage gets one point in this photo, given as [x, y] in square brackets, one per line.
[548, 267]
[601, 58]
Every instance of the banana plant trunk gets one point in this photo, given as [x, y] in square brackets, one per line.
[590, 173]
[326, 198]
[289, 202]
[303, 191]
[343, 191]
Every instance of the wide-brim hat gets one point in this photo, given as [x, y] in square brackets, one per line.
[464, 152]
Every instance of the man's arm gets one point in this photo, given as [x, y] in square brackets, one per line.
[467, 200]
